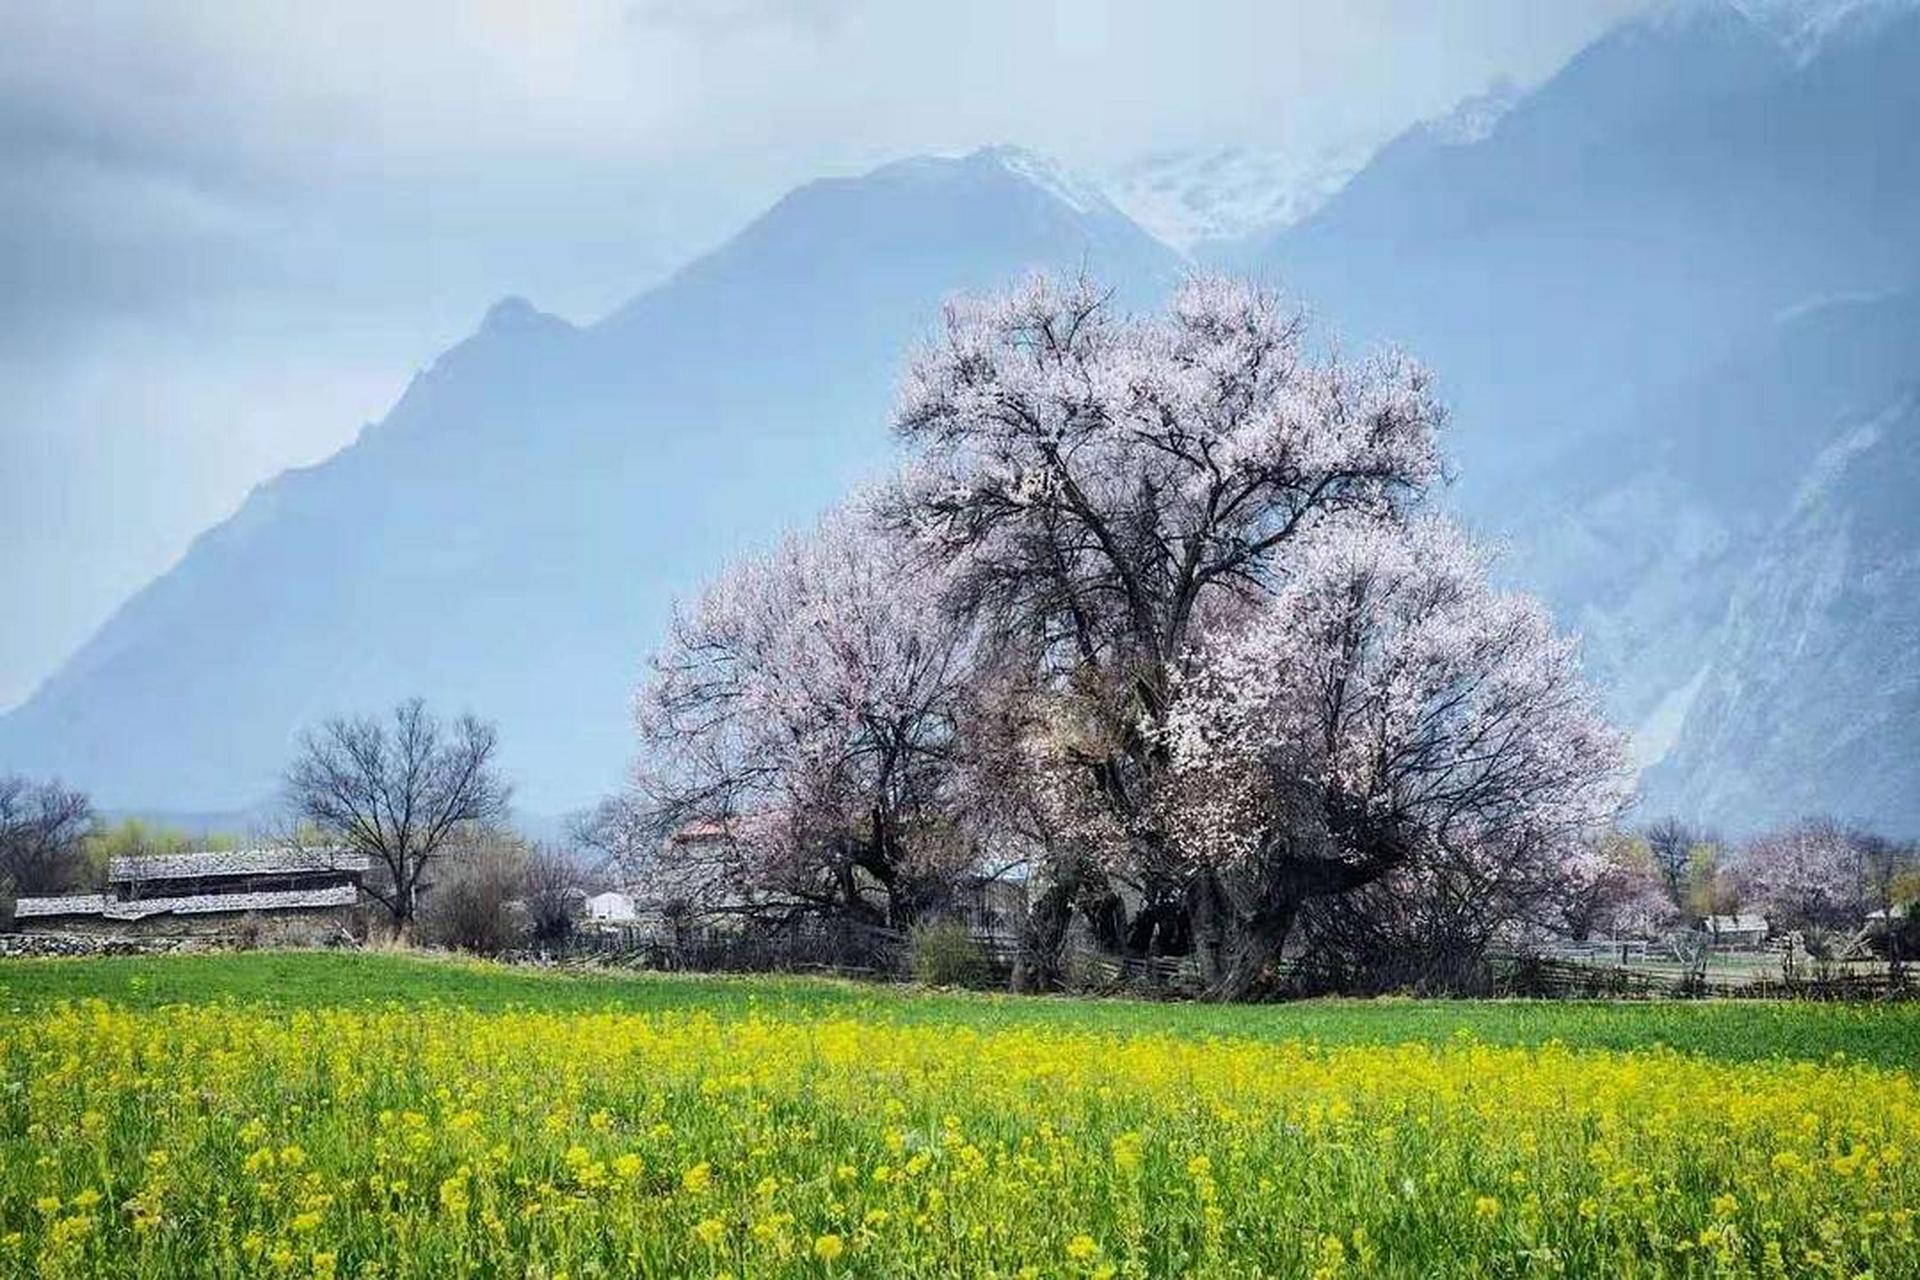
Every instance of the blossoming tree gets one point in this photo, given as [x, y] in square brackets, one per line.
[1385, 708]
[1810, 875]
[1103, 486]
[1154, 604]
[803, 711]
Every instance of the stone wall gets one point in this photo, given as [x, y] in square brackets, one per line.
[21, 945]
[319, 927]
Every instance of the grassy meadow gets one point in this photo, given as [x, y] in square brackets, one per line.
[288, 1114]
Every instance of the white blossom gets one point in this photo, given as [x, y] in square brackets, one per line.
[807, 703]
[1387, 701]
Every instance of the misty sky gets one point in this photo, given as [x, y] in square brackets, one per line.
[229, 233]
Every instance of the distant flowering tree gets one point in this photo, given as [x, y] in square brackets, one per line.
[1614, 887]
[1387, 708]
[1103, 486]
[1809, 875]
[803, 712]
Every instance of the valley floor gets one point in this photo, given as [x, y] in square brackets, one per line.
[311, 1114]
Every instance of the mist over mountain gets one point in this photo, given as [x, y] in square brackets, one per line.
[510, 537]
[1672, 296]
[1657, 290]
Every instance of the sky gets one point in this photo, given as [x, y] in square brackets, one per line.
[230, 233]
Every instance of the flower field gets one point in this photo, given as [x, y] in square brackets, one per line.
[355, 1138]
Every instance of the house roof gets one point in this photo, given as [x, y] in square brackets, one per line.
[72, 904]
[235, 862]
[93, 904]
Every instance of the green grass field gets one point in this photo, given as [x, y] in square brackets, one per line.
[381, 1115]
[1737, 1030]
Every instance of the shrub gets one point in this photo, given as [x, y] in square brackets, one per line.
[479, 906]
[550, 896]
[946, 955]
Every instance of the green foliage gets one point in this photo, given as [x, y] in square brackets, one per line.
[136, 838]
[945, 955]
[1710, 886]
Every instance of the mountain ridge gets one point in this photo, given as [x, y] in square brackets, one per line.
[1656, 290]
[528, 494]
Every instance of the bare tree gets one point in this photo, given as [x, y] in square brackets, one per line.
[42, 830]
[397, 792]
[478, 905]
[1670, 842]
[552, 881]
[615, 837]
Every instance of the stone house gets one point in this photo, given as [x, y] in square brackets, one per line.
[285, 894]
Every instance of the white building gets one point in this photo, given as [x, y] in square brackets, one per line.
[611, 907]
[1744, 932]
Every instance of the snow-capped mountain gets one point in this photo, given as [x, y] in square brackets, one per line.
[1669, 278]
[1671, 297]
[1801, 27]
[1217, 194]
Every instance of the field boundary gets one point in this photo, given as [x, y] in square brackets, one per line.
[878, 954]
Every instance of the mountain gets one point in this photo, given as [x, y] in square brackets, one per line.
[1683, 177]
[1657, 291]
[1671, 295]
[1810, 699]
[1645, 536]
[508, 539]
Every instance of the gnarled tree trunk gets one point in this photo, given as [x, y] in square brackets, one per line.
[1043, 937]
[1236, 940]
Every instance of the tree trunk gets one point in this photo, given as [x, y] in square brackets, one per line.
[1235, 946]
[1107, 918]
[1042, 939]
[1162, 928]
[1248, 947]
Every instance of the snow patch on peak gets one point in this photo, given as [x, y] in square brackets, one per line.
[1048, 174]
[1831, 461]
[1818, 303]
[1474, 119]
[1228, 193]
[1801, 27]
